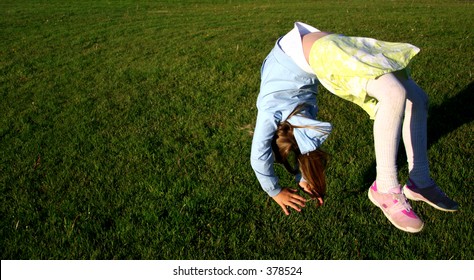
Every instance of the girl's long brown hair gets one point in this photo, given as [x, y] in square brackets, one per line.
[312, 165]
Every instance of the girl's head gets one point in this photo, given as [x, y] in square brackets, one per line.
[312, 165]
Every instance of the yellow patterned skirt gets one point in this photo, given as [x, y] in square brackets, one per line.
[344, 65]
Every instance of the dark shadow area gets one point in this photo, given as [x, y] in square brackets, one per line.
[442, 120]
[450, 115]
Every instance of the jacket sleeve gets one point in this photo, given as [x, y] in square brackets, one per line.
[261, 157]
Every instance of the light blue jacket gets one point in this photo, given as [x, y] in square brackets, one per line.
[283, 87]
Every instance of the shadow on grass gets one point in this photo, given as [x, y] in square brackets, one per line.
[450, 115]
[443, 119]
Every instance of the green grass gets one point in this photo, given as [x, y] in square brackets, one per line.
[125, 131]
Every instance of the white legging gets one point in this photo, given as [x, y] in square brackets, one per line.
[400, 100]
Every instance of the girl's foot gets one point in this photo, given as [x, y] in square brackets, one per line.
[396, 208]
[432, 195]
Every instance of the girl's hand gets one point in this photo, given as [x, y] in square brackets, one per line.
[288, 197]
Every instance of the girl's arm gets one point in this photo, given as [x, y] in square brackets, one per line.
[262, 163]
[261, 157]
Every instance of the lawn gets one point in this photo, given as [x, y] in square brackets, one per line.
[125, 132]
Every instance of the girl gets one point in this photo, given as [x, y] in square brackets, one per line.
[371, 73]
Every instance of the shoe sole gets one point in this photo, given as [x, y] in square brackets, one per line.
[407, 229]
[408, 193]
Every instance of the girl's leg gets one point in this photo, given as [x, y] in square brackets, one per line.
[414, 133]
[391, 95]
[385, 192]
[420, 186]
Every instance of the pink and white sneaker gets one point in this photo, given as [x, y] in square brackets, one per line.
[396, 208]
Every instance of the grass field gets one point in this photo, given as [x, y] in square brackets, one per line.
[125, 131]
